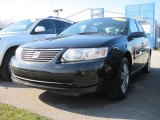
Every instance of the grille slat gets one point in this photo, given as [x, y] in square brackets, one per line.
[41, 51]
[38, 59]
[40, 55]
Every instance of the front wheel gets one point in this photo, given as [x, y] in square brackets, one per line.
[147, 67]
[6, 65]
[119, 86]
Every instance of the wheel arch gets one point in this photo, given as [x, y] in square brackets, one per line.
[8, 50]
[128, 55]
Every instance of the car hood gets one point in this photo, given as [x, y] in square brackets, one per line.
[76, 41]
[10, 34]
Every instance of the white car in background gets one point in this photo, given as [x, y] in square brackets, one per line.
[26, 31]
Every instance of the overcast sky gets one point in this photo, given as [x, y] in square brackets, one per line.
[22, 9]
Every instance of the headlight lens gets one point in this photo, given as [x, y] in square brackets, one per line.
[19, 53]
[82, 54]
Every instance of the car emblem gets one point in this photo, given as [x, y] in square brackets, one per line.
[36, 55]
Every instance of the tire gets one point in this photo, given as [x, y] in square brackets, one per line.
[146, 69]
[119, 86]
[5, 68]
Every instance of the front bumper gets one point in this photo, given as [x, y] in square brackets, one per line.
[57, 90]
[67, 79]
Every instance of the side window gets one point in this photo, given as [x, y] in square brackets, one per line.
[66, 25]
[60, 26]
[140, 27]
[133, 26]
[48, 24]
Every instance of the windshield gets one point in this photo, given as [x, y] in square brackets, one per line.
[18, 26]
[110, 26]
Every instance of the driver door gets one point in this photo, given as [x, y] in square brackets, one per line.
[136, 47]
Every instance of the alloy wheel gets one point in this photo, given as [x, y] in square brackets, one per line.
[9, 67]
[149, 64]
[124, 78]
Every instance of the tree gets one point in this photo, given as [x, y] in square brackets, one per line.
[4, 23]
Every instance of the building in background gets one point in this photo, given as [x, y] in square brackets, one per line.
[145, 15]
[97, 13]
[92, 13]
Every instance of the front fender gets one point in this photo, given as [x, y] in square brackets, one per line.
[6, 44]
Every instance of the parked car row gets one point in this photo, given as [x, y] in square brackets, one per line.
[26, 31]
[90, 56]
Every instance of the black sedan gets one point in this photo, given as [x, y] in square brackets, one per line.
[90, 56]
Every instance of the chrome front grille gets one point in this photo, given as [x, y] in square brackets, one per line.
[39, 55]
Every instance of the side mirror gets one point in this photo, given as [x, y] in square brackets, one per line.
[39, 29]
[136, 35]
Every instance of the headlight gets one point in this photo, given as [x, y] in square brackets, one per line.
[82, 54]
[19, 53]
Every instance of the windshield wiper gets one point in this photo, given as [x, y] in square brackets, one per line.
[87, 33]
[83, 33]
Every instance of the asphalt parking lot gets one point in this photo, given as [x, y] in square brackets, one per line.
[142, 103]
